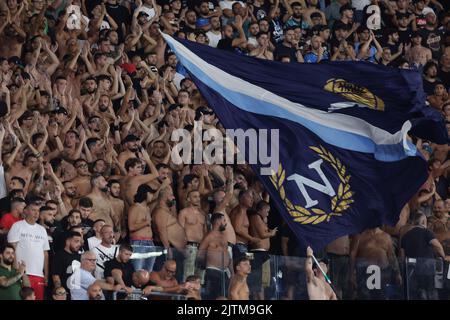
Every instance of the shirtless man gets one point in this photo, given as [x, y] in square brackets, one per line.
[159, 152]
[418, 55]
[240, 185]
[193, 220]
[24, 169]
[238, 284]
[318, 288]
[259, 229]
[12, 37]
[222, 201]
[135, 177]
[165, 279]
[338, 253]
[102, 205]
[67, 198]
[118, 206]
[213, 254]
[372, 247]
[241, 224]
[83, 178]
[131, 146]
[139, 225]
[169, 231]
[440, 225]
[163, 175]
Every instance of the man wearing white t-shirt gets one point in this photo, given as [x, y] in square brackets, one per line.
[226, 5]
[31, 242]
[96, 239]
[150, 8]
[105, 251]
[215, 34]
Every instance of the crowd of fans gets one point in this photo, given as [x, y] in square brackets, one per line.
[89, 96]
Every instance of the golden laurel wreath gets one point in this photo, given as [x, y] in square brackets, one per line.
[339, 203]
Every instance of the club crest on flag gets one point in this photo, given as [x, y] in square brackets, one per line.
[339, 202]
[355, 93]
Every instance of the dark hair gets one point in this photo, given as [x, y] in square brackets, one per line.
[8, 246]
[126, 246]
[216, 216]
[21, 180]
[262, 204]
[85, 202]
[132, 162]
[51, 201]
[33, 200]
[26, 292]
[193, 277]
[91, 141]
[75, 164]
[36, 136]
[17, 199]
[188, 179]
[161, 165]
[261, 33]
[14, 193]
[428, 65]
[238, 261]
[141, 193]
[71, 212]
[112, 181]
[98, 220]
[45, 208]
[72, 234]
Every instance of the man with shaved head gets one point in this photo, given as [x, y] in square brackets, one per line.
[95, 292]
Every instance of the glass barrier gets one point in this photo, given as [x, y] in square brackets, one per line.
[427, 279]
[203, 273]
[207, 275]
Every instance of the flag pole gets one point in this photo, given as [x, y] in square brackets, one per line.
[321, 270]
[324, 274]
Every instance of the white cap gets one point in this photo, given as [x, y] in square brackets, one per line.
[428, 10]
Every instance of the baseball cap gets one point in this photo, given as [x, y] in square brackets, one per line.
[142, 14]
[428, 10]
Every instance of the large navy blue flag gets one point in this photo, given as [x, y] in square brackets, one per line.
[346, 162]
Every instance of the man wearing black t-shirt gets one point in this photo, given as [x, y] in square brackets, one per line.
[288, 48]
[120, 15]
[432, 37]
[120, 270]
[61, 268]
[420, 244]
[228, 42]
[404, 32]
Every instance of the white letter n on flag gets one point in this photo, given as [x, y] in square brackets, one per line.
[301, 181]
